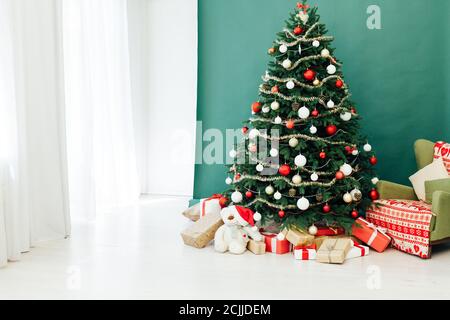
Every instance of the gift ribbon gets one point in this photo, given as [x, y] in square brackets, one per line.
[306, 250]
[376, 230]
[360, 247]
[214, 196]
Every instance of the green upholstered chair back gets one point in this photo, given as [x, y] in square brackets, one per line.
[424, 151]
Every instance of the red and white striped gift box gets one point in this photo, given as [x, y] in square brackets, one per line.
[275, 245]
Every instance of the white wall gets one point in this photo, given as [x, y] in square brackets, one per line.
[165, 69]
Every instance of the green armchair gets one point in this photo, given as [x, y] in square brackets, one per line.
[440, 224]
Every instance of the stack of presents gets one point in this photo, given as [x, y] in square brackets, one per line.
[410, 219]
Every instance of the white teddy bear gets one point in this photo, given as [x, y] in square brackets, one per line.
[239, 225]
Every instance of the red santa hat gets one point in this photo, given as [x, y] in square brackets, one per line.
[245, 215]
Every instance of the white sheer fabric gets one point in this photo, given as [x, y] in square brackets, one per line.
[33, 184]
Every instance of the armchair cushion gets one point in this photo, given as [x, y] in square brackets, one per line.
[391, 190]
[436, 185]
[433, 171]
[442, 151]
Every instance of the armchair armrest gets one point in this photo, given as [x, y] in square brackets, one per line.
[391, 190]
[441, 208]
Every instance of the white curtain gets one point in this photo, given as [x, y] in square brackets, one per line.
[101, 137]
[33, 171]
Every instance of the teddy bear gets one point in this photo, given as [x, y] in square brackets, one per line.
[239, 225]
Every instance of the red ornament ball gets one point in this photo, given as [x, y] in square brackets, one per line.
[275, 89]
[339, 83]
[374, 195]
[223, 202]
[271, 50]
[355, 214]
[331, 129]
[315, 113]
[326, 208]
[249, 194]
[237, 176]
[290, 124]
[244, 130]
[348, 149]
[298, 30]
[322, 155]
[340, 175]
[309, 75]
[373, 160]
[353, 110]
[281, 213]
[256, 107]
[284, 170]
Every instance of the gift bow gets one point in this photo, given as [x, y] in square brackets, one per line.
[214, 196]
[376, 230]
[305, 7]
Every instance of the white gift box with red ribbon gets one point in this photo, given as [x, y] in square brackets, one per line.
[357, 250]
[210, 205]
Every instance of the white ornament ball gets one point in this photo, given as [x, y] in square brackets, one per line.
[316, 82]
[236, 197]
[278, 120]
[347, 198]
[303, 112]
[356, 195]
[266, 109]
[269, 190]
[346, 169]
[290, 85]
[313, 130]
[259, 167]
[314, 177]
[316, 43]
[367, 147]
[253, 133]
[325, 53]
[283, 48]
[313, 230]
[346, 116]
[300, 160]
[273, 152]
[375, 180]
[303, 204]
[257, 216]
[330, 104]
[331, 69]
[233, 153]
[355, 152]
[287, 64]
[228, 181]
[280, 236]
[275, 105]
[296, 179]
[277, 196]
[293, 142]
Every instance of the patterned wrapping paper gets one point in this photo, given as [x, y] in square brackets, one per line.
[442, 151]
[408, 223]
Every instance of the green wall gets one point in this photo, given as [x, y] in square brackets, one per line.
[399, 75]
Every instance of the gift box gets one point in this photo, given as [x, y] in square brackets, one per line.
[298, 237]
[357, 251]
[329, 231]
[207, 205]
[305, 252]
[256, 247]
[319, 240]
[373, 236]
[200, 233]
[276, 243]
[334, 250]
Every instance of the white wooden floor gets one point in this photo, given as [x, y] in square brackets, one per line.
[138, 253]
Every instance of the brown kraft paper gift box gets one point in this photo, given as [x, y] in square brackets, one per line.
[201, 233]
[256, 247]
[334, 250]
[298, 237]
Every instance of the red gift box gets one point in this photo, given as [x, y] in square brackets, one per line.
[374, 236]
[275, 245]
[329, 231]
[305, 252]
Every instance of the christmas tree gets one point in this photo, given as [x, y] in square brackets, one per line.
[303, 160]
